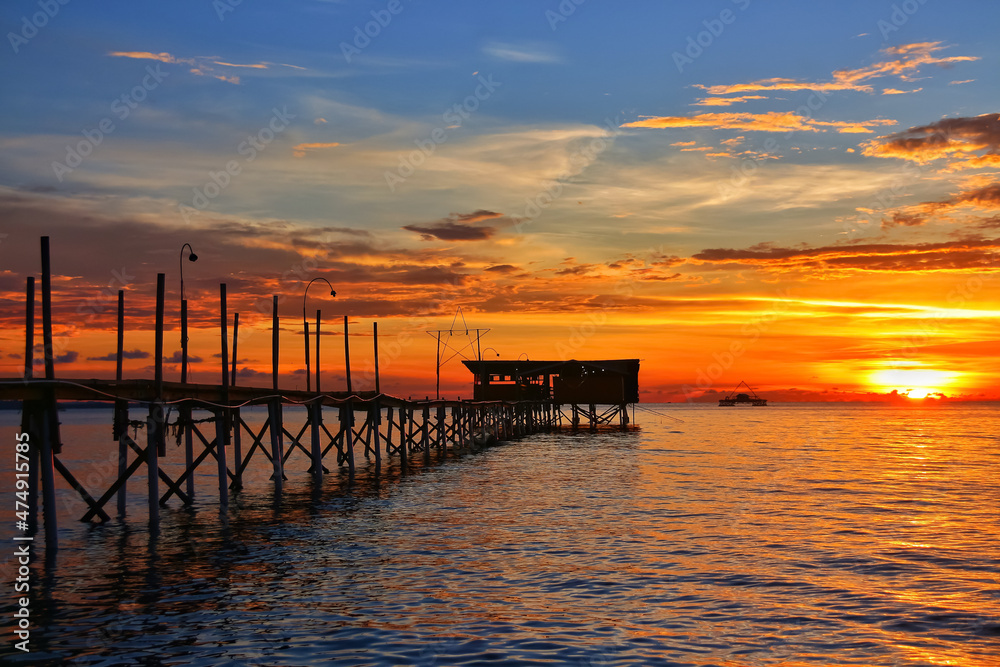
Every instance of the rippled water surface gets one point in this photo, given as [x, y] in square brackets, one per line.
[787, 535]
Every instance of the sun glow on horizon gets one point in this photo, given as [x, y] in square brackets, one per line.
[914, 383]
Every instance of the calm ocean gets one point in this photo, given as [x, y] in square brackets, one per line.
[791, 535]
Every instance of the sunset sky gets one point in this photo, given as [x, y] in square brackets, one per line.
[801, 195]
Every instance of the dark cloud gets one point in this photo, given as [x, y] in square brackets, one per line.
[458, 227]
[175, 358]
[126, 354]
[985, 197]
[501, 268]
[966, 142]
[952, 255]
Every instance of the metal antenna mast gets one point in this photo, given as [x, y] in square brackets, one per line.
[443, 338]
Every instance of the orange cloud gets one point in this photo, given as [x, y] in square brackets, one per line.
[772, 121]
[908, 58]
[300, 150]
[146, 55]
[726, 101]
[967, 142]
[896, 91]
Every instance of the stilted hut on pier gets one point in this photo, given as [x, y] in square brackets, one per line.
[582, 385]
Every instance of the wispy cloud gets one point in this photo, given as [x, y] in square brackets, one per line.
[300, 150]
[200, 65]
[901, 61]
[522, 53]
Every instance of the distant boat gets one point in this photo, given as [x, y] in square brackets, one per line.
[742, 398]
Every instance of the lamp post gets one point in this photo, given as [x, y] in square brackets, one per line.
[184, 312]
[305, 327]
[487, 350]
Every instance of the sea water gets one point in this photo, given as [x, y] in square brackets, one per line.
[788, 534]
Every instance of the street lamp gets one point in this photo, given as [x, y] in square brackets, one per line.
[487, 350]
[525, 355]
[184, 313]
[305, 331]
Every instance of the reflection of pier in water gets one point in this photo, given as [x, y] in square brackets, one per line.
[390, 426]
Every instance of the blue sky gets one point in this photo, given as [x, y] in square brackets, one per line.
[601, 144]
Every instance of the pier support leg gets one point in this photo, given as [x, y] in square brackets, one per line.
[316, 420]
[237, 450]
[121, 431]
[374, 423]
[277, 447]
[347, 420]
[221, 440]
[185, 415]
[154, 437]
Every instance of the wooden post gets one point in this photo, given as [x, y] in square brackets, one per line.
[237, 450]
[121, 410]
[29, 328]
[50, 428]
[375, 420]
[375, 339]
[424, 430]
[222, 418]
[347, 420]
[274, 343]
[160, 287]
[277, 447]
[316, 421]
[317, 349]
[236, 339]
[437, 364]
[442, 440]
[184, 340]
[305, 335]
[154, 435]
[347, 356]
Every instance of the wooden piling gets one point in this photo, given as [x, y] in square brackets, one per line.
[120, 429]
[160, 289]
[347, 421]
[315, 412]
[222, 418]
[274, 343]
[318, 315]
[375, 339]
[236, 340]
[29, 328]
[277, 446]
[347, 355]
[154, 435]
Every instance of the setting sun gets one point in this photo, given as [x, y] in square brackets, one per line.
[912, 382]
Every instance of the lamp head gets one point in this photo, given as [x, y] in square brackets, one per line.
[333, 293]
[193, 257]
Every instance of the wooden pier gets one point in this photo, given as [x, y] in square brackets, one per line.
[208, 420]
